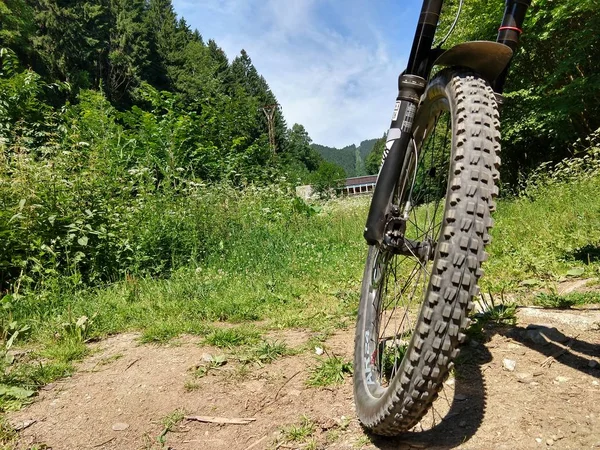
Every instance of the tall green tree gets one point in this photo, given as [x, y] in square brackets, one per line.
[299, 148]
[552, 96]
[16, 26]
[219, 56]
[72, 39]
[161, 25]
[373, 159]
[244, 75]
[128, 47]
[198, 77]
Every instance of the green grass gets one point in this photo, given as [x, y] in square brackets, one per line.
[232, 337]
[8, 435]
[298, 433]
[169, 422]
[494, 311]
[544, 236]
[553, 300]
[280, 267]
[214, 363]
[329, 372]
[267, 352]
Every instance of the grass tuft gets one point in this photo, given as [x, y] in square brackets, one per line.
[267, 352]
[8, 435]
[330, 371]
[553, 300]
[214, 363]
[502, 313]
[492, 313]
[232, 337]
[299, 433]
[169, 422]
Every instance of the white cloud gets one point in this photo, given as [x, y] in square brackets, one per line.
[332, 73]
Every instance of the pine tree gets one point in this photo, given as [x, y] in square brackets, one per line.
[244, 75]
[299, 148]
[218, 55]
[128, 54]
[161, 27]
[16, 26]
[197, 77]
[71, 40]
[373, 159]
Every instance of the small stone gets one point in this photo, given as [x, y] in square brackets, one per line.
[560, 379]
[595, 383]
[509, 364]
[534, 383]
[207, 357]
[524, 377]
[592, 364]
[121, 426]
[538, 440]
[319, 351]
[549, 442]
[328, 424]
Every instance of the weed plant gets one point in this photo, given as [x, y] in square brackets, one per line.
[330, 371]
[554, 300]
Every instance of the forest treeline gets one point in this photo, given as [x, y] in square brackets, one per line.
[143, 59]
[350, 158]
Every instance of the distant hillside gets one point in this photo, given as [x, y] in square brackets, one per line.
[350, 158]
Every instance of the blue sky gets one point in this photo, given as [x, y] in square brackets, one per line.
[332, 64]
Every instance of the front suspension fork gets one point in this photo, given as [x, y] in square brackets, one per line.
[411, 87]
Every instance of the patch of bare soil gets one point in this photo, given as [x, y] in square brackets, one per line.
[532, 386]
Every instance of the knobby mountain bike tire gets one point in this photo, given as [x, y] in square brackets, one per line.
[413, 309]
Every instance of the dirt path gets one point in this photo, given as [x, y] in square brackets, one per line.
[124, 396]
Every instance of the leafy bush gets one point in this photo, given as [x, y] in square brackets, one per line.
[94, 194]
[327, 179]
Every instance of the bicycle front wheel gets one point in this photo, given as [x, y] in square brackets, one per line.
[413, 308]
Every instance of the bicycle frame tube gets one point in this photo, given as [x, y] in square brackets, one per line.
[411, 84]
